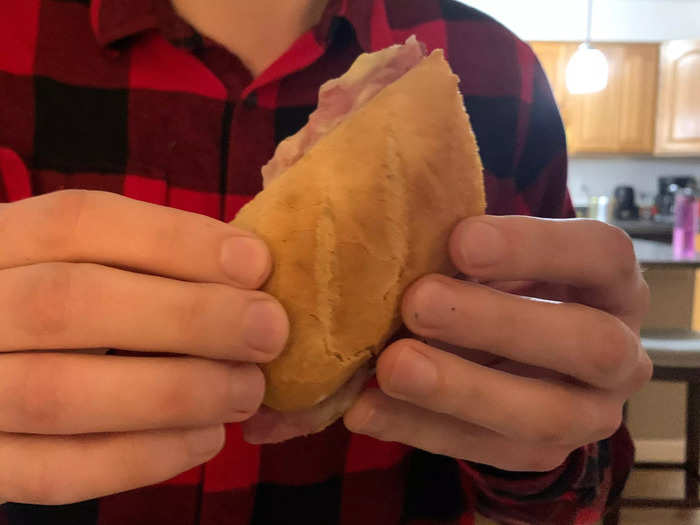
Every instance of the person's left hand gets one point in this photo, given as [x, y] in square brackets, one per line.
[542, 377]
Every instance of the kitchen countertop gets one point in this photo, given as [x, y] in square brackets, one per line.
[644, 227]
[652, 253]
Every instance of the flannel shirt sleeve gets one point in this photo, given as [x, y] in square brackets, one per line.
[578, 492]
[591, 480]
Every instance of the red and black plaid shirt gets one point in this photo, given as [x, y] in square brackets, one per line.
[124, 96]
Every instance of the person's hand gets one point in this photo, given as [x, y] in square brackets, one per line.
[543, 377]
[90, 270]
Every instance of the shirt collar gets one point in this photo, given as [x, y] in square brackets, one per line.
[363, 16]
[113, 20]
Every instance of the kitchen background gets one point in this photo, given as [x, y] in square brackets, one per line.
[600, 161]
[643, 126]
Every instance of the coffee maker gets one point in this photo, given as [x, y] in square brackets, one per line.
[668, 186]
[625, 208]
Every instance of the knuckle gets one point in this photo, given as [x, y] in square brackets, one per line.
[233, 393]
[611, 423]
[171, 235]
[43, 299]
[180, 397]
[40, 482]
[534, 431]
[599, 418]
[45, 486]
[548, 433]
[553, 427]
[190, 310]
[64, 213]
[212, 315]
[41, 402]
[618, 238]
[622, 252]
[616, 347]
[646, 368]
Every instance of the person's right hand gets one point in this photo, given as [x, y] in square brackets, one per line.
[87, 270]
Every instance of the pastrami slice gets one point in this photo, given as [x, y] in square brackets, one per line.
[339, 97]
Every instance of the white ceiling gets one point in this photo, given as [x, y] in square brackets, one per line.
[613, 20]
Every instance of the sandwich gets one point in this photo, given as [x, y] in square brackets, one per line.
[355, 207]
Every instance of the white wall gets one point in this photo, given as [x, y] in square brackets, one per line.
[599, 176]
[613, 20]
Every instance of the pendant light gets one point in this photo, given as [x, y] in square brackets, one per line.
[587, 71]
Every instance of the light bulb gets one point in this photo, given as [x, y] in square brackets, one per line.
[587, 71]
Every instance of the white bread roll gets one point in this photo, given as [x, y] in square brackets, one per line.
[366, 211]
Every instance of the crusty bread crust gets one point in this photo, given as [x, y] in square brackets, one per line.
[363, 214]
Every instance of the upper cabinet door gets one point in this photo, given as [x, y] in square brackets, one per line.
[678, 127]
[619, 119]
[639, 73]
[596, 117]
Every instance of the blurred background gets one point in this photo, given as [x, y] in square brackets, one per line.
[626, 77]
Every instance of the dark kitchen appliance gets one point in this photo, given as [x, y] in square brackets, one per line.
[625, 208]
[667, 192]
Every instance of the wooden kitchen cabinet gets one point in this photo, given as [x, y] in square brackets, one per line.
[554, 56]
[678, 130]
[638, 75]
[619, 119]
[594, 119]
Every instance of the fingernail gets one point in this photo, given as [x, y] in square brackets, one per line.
[265, 326]
[481, 244]
[247, 391]
[414, 375]
[432, 304]
[203, 442]
[364, 420]
[245, 260]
